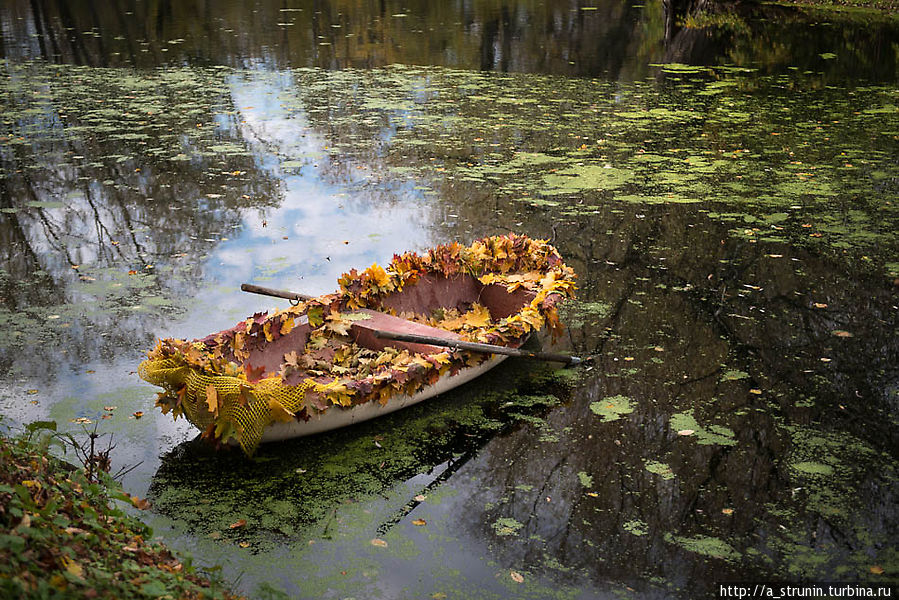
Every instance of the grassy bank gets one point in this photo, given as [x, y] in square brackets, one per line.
[889, 6]
[64, 534]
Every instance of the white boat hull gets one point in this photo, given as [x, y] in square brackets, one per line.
[337, 417]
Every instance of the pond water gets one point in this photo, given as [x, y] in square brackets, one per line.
[727, 193]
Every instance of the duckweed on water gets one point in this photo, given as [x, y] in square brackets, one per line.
[585, 479]
[659, 468]
[613, 408]
[709, 546]
[507, 526]
[766, 160]
[636, 527]
[711, 435]
[628, 142]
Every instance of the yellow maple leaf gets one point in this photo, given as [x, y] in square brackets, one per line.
[421, 362]
[378, 275]
[443, 358]
[532, 317]
[337, 392]
[480, 252]
[338, 324]
[287, 325]
[239, 341]
[212, 399]
[478, 316]
[278, 412]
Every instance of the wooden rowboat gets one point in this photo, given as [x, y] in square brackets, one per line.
[389, 338]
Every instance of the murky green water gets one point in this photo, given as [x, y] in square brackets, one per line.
[733, 224]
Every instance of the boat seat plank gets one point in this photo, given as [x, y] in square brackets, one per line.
[362, 332]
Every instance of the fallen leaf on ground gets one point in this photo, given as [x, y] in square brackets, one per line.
[419, 522]
[236, 524]
[73, 567]
[516, 576]
[379, 543]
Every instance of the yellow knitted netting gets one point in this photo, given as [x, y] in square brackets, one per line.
[248, 407]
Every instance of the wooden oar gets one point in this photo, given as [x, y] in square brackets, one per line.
[476, 346]
[258, 289]
[427, 339]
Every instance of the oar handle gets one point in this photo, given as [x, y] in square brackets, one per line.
[475, 346]
[258, 289]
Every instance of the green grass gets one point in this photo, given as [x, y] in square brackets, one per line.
[64, 535]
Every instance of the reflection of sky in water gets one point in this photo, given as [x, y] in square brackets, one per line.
[330, 218]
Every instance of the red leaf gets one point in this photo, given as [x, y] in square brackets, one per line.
[254, 374]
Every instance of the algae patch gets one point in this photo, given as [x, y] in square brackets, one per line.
[636, 527]
[585, 479]
[706, 545]
[659, 468]
[613, 408]
[711, 435]
[505, 526]
[812, 468]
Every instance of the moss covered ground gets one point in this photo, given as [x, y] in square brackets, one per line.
[66, 534]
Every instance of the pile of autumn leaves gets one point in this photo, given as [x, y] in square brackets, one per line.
[62, 536]
[339, 373]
